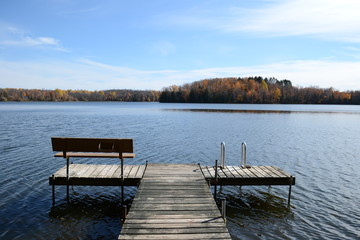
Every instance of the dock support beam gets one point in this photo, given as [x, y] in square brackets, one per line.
[122, 179]
[216, 179]
[123, 213]
[223, 209]
[290, 184]
[53, 190]
[67, 179]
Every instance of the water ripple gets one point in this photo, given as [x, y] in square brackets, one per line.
[321, 150]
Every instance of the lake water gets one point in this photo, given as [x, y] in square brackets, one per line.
[319, 145]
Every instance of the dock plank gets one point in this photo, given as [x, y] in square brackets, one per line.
[90, 170]
[254, 171]
[98, 170]
[80, 170]
[140, 172]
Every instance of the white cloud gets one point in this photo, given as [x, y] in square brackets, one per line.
[92, 75]
[14, 37]
[352, 52]
[29, 42]
[353, 49]
[326, 19]
[337, 19]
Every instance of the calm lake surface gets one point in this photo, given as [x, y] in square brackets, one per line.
[319, 145]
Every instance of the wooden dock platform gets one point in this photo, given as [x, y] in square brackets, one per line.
[109, 175]
[254, 175]
[174, 202]
[98, 175]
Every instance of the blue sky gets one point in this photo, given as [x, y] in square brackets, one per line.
[143, 44]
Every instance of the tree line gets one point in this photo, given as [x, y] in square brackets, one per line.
[16, 94]
[255, 90]
[217, 90]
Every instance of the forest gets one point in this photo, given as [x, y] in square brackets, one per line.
[217, 90]
[255, 90]
[15, 94]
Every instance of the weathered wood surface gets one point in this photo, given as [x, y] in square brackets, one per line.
[98, 175]
[174, 202]
[119, 145]
[255, 175]
[109, 175]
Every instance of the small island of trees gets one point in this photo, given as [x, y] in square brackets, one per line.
[255, 90]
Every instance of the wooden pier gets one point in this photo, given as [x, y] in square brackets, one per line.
[173, 200]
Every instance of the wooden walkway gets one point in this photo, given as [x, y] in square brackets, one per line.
[174, 202]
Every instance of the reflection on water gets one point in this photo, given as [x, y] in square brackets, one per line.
[256, 111]
[90, 216]
[251, 207]
[86, 205]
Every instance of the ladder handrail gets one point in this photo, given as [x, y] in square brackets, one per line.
[222, 155]
[243, 155]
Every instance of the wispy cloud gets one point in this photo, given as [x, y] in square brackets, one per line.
[29, 42]
[92, 75]
[337, 20]
[82, 11]
[14, 37]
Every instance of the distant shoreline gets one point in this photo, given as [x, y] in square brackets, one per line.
[251, 90]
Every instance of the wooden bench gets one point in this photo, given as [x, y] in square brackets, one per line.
[92, 148]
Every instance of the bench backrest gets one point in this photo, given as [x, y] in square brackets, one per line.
[118, 145]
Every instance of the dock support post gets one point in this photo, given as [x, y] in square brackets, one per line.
[223, 209]
[216, 179]
[122, 179]
[53, 190]
[67, 179]
[290, 184]
[123, 213]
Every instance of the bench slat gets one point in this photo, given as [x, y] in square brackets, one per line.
[118, 145]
